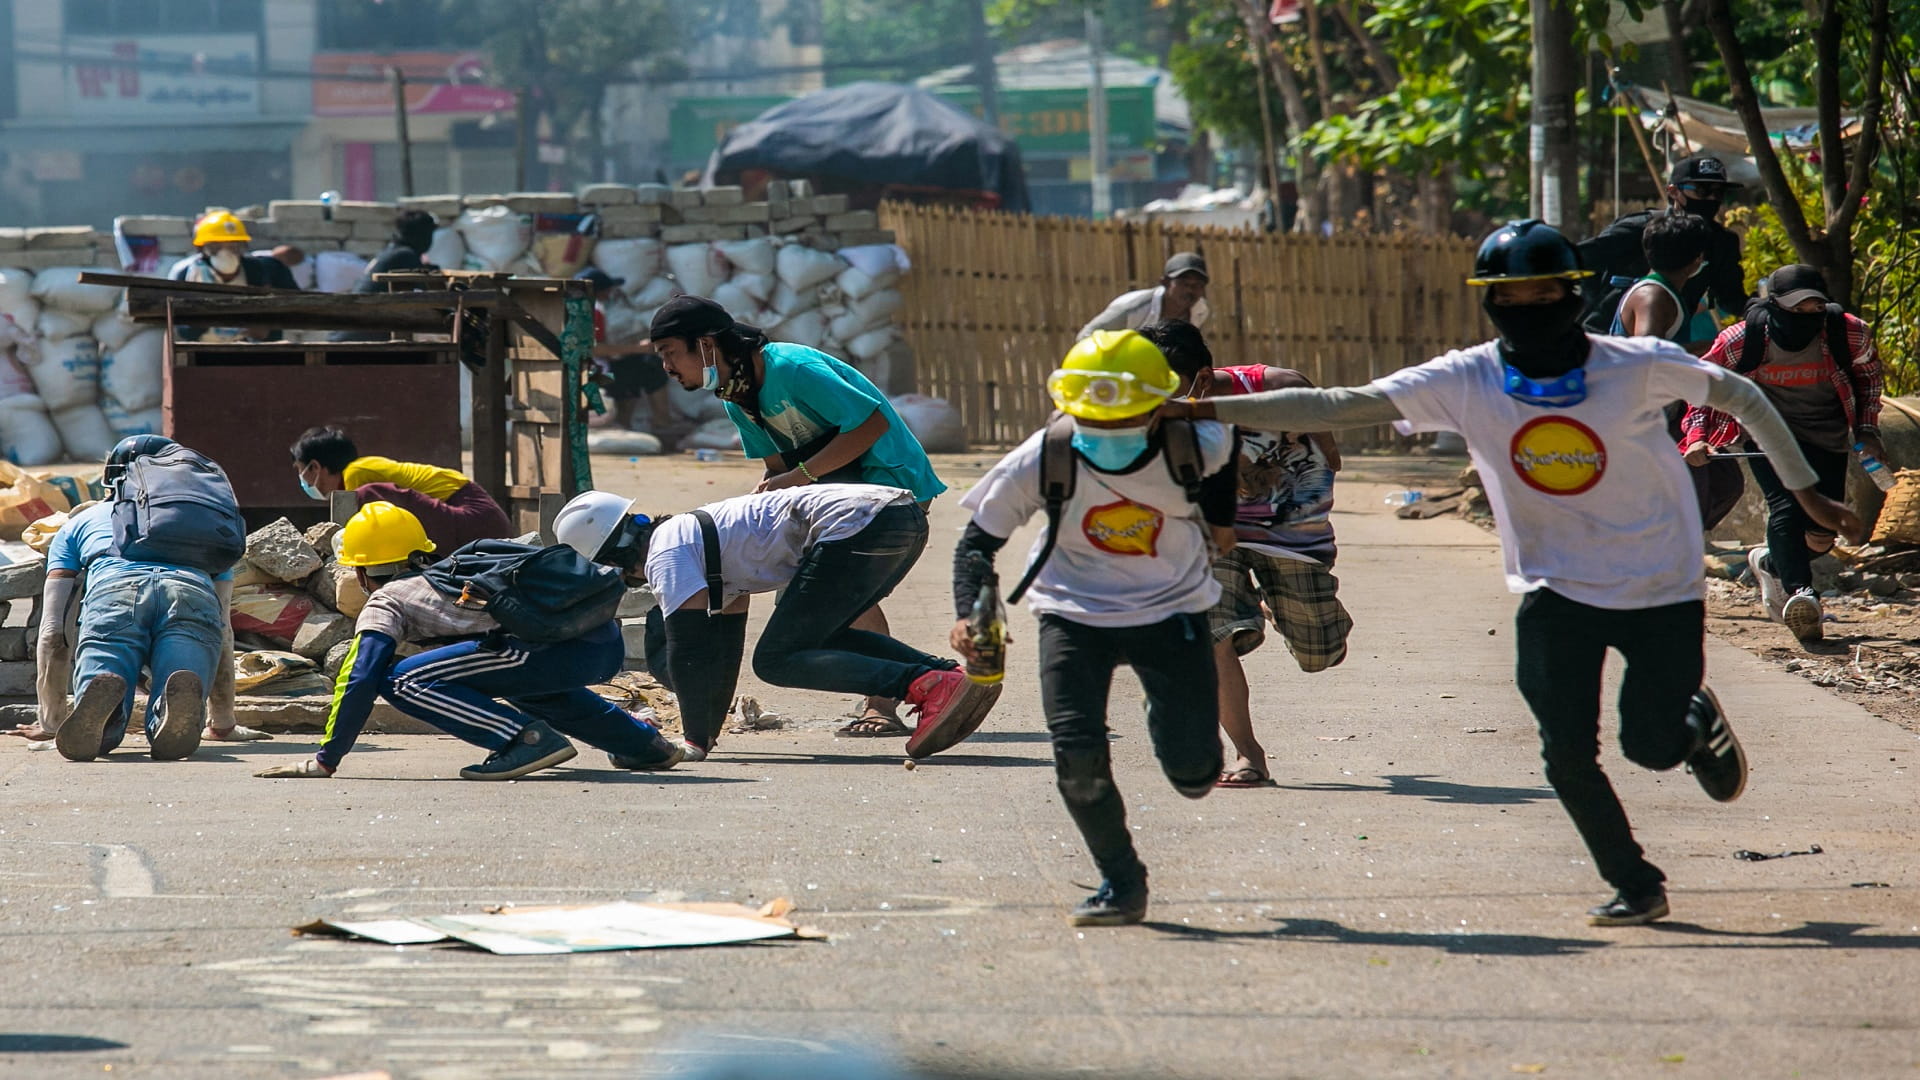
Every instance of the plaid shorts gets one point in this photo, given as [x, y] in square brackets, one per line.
[1303, 598]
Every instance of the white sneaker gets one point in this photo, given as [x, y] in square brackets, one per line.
[1773, 595]
[1802, 615]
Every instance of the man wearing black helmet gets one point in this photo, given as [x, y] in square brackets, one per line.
[1696, 185]
[1598, 525]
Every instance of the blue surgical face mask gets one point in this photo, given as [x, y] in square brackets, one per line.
[709, 372]
[312, 492]
[1110, 449]
[1563, 392]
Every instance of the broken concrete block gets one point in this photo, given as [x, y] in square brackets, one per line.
[336, 656]
[301, 210]
[689, 234]
[743, 214]
[652, 194]
[633, 632]
[321, 537]
[632, 215]
[443, 207]
[694, 215]
[606, 195]
[23, 580]
[635, 604]
[735, 232]
[359, 213]
[338, 587]
[61, 237]
[152, 225]
[789, 225]
[852, 219]
[13, 643]
[727, 195]
[627, 230]
[825, 205]
[320, 632]
[542, 202]
[279, 551]
[685, 198]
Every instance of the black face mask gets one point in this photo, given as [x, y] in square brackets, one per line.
[1541, 340]
[1705, 208]
[1794, 330]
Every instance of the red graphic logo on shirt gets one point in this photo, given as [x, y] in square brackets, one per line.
[1124, 528]
[1559, 455]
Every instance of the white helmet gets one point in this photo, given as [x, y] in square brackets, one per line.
[589, 520]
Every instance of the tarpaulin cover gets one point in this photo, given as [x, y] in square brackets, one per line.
[876, 133]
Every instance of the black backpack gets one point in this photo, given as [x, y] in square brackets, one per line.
[1617, 260]
[540, 595]
[1753, 347]
[1179, 448]
[176, 507]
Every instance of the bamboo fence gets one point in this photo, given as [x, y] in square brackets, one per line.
[995, 300]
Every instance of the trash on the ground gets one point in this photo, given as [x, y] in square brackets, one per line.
[1754, 856]
[1870, 885]
[1479, 730]
[571, 928]
[1336, 738]
[755, 718]
[911, 765]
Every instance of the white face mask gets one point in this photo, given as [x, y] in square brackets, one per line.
[226, 262]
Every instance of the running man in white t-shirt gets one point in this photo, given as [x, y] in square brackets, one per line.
[1598, 525]
[1127, 580]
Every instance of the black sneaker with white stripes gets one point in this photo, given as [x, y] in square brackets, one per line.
[1624, 910]
[1717, 761]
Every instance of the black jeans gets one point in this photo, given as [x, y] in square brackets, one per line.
[1562, 646]
[1788, 526]
[1174, 660]
[808, 642]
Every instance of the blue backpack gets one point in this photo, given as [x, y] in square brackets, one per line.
[540, 595]
[176, 507]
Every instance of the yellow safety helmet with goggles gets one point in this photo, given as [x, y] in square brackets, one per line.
[1112, 375]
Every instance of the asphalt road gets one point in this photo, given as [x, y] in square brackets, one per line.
[1407, 903]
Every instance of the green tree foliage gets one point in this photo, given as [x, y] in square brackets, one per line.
[894, 41]
[1214, 70]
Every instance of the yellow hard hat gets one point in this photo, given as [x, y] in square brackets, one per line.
[220, 227]
[1112, 375]
[380, 534]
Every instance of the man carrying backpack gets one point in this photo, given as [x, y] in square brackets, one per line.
[489, 687]
[1135, 515]
[1697, 185]
[834, 551]
[1817, 366]
[149, 601]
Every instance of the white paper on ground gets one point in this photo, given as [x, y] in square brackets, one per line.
[545, 930]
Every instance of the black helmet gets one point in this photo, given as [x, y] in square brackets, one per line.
[133, 446]
[1527, 250]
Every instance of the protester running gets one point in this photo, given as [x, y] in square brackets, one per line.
[1181, 294]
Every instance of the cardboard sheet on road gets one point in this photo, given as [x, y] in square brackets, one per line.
[531, 931]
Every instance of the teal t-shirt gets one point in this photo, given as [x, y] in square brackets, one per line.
[807, 392]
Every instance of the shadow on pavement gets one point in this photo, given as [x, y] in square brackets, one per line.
[891, 761]
[18, 1043]
[1326, 930]
[1425, 787]
[1009, 737]
[1811, 935]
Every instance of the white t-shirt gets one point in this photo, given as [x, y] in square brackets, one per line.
[1132, 550]
[762, 538]
[1594, 501]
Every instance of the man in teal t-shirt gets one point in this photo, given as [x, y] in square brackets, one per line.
[812, 418]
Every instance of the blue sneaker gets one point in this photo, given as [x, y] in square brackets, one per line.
[536, 747]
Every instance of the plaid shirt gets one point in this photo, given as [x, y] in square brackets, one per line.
[1858, 387]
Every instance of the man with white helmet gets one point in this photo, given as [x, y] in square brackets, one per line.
[487, 687]
[835, 549]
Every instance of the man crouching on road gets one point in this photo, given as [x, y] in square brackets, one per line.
[489, 689]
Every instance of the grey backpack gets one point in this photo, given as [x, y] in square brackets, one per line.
[177, 508]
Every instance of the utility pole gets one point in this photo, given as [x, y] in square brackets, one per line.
[1552, 152]
[1097, 121]
[985, 75]
[400, 129]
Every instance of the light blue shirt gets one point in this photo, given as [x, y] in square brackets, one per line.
[807, 392]
[86, 542]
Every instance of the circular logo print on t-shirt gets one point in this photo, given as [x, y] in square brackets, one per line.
[1559, 455]
[1124, 528]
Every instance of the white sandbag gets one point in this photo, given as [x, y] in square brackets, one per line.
[652, 293]
[637, 261]
[873, 344]
[59, 287]
[126, 422]
[55, 323]
[527, 265]
[27, 434]
[16, 296]
[753, 256]
[698, 268]
[632, 443]
[738, 302]
[113, 329]
[131, 374]
[877, 260]
[758, 286]
[802, 268]
[495, 235]
[933, 421]
[788, 301]
[84, 432]
[867, 313]
[806, 328]
[14, 380]
[337, 271]
[625, 323]
[67, 373]
[448, 251]
[697, 405]
[717, 434]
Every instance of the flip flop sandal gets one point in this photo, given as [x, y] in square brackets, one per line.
[873, 727]
[1245, 778]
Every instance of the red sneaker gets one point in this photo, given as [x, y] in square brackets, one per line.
[950, 706]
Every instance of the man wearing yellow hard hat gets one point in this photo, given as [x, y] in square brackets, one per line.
[489, 688]
[1122, 575]
[220, 257]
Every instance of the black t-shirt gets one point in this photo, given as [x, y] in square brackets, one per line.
[1616, 252]
[394, 258]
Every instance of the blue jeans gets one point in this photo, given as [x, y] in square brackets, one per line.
[158, 618]
[486, 692]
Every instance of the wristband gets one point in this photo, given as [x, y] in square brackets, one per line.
[811, 479]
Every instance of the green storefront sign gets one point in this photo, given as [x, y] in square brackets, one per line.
[1041, 121]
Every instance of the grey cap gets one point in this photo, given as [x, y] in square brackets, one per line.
[1186, 262]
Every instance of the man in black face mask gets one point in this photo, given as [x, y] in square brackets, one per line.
[1598, 525]
[1817, 366]
[1697, 185]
